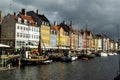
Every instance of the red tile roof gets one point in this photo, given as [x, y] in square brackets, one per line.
[28, 18]
[55, 28]
[13, 16]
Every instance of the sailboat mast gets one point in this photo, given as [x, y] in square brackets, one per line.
[70, 35]
[59, 41]
[39, 45]
[86, 37]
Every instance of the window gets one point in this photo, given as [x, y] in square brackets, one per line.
[20, 34]
[24, 28]
[47, 24]
[42, 22]
[17, 43]
[17, 34]
[21, 27]
[25, 21]
[17, 27]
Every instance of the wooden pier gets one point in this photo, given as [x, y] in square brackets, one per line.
[9, 60]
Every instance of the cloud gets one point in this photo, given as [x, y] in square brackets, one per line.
[101, 15]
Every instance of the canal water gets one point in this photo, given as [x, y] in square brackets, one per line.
[100, 68]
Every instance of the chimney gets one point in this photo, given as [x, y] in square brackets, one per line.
[36, 11]
[23, 11]
[14, 13]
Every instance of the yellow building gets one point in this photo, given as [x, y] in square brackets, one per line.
[65, 39]
[61, 38]
[72, 42]
[90, 40]
[45, 36]
[44, 23]
[95, 43]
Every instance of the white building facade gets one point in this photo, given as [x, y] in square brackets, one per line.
[19, 31]
[26, 35]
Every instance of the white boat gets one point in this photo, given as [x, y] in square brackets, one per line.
[73, 58]
[115, 53]
[47, 62]
[110, 54]
[103, 54]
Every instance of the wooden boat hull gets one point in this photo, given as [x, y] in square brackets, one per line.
[30, 62]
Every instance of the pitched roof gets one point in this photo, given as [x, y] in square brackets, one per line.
[85, 31]
[76, 32]
[28, 18]
[38, 17]
[101, 36]
[55, 27]
[65, 27]
[14, 16]
[43, 18]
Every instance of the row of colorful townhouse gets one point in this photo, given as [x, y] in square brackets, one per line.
[28, 28]
[69, 38]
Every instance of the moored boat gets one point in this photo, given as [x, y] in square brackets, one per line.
[66, 59]
[46, 61]
[70, 56]
[103, 54]
[73, 58]
[110, 54]
[33, 60]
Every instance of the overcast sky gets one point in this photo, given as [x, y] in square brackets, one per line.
[101, 16]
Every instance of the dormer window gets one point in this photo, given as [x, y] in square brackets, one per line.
[25, 21]
[42, 22]
[29, 21]
[19, 20]
[47, 24]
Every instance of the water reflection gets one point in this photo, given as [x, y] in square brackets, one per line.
[96, 69]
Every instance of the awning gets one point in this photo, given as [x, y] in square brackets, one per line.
[3, 45]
